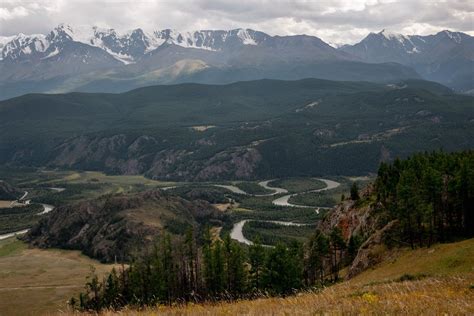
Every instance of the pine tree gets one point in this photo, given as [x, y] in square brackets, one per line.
[283, 270]
[337, 246]
[257, 260]
[168, 268]
[353, 247]
[354, 192]
[191, 260]
[208, 269]
[94, 287]
[218, 270]
[111, 290]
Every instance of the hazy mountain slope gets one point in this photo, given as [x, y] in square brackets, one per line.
[446, 57]
[253, 129]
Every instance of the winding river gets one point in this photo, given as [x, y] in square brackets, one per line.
[46, 209]
[237, 230]
[263, 184]
[283, 201]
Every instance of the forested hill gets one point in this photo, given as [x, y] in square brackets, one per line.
[8, 192]
[255, 129]
[416, 202]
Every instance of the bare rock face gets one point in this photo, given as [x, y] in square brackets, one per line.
[353, 219]
[143, 155]
[371, 251]
[238, 164]
[114, 227]
[367, 221]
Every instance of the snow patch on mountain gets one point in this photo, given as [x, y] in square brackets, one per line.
[245, 37]
[22, 45]
[455, 36]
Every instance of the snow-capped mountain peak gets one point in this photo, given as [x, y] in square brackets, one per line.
[454, 36]
[246, 37]
[19, 46]
[393, 36]
[127, 47]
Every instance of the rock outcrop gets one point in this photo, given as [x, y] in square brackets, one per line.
[114, 227]
[367, 220]
[372, 250]
[123, 154]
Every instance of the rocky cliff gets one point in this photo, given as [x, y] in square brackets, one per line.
[367, 220]
[143, 155]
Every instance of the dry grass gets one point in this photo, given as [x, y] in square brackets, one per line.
[432, 296]
[447, 289]
[442, 259]
[87, 176]
[6, 204]
[223, 206]
[34, 281]
[202, 128]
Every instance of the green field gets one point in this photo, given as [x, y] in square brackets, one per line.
[18, 218]
[271, 233]
[252, 188]
[332, 197]
[296, 185]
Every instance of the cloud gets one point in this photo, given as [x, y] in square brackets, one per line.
[339, 21]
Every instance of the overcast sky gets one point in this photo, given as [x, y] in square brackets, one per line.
[335, 21]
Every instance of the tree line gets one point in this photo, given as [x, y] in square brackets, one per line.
[185, 269]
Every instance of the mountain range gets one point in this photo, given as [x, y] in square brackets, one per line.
[446, 57]
[91, 59]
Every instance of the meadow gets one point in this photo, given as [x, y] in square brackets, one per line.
[38, 281]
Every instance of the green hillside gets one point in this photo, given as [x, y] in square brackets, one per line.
[245, 130]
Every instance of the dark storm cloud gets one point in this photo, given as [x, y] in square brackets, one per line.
[334, 21]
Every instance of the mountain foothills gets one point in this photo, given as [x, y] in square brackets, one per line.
[247, 130]
[91, 59]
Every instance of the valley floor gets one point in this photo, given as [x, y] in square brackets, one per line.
[36, 281]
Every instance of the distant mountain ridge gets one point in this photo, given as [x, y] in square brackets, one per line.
[127, 47]
[95, 59]
[446, 57]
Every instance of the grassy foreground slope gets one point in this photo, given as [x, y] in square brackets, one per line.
[36, 282]
[438, 280]
[426, 281]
